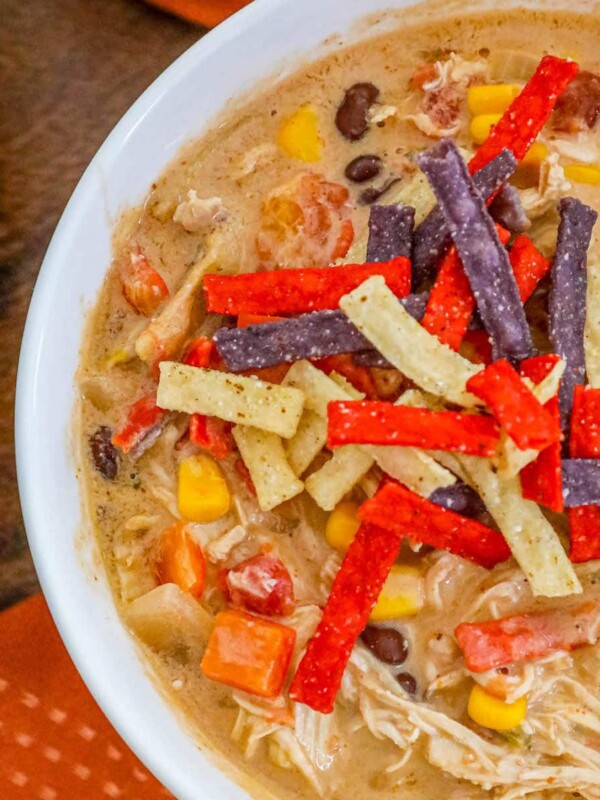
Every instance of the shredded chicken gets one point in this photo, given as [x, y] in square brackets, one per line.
[197, 214]
[220, 550]
[259, 156]
[582, 147]
[551, 187]
[380, 112]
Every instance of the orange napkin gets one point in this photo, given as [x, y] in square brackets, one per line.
[55, 743]
[204, 12]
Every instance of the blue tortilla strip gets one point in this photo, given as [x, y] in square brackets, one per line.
[484, 258]
[581, 482]
[390, 232]
[508, 210]
[316, 335]
[432, 237]
[567, 301]
[459, 498]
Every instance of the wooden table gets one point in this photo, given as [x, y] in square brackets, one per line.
[68, 70]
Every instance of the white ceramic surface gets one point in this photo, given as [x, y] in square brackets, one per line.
[265, 39]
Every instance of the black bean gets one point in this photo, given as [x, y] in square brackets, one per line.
[407, 682]
[351, 118]
[363, 168]
[104, 454]
[386, 644]
[372, 193]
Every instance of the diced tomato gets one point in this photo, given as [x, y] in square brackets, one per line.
[478, 347]
[306, 221]
[249, 653]
[200, 353]
[499, 642]
[212, 434]
[263, 585]
[244, 474]
[579, 107]
[179, 559]
[142, 286]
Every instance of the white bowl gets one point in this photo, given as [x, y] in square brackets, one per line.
[266, 39]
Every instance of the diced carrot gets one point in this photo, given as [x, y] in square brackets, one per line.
[179, 559]
[261, 584]
[541, 480]
[514, 405]
[142, 286]
[140, 422]
[249, 653]
[499, 642]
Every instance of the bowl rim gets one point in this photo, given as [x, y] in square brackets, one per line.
[26, 446]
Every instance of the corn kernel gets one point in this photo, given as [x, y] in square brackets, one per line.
[202, 493]
[342, 525]
[481, 126]
[583, 173]
[402, 595]
[299, 135]
[537, 153]
[489, 712]
[491, 99]
[117, 357]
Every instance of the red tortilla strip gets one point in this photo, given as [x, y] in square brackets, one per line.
[541, 480]
[380, 423]
[523, 121]
[529, 266]
[584, 521]
[409, 515]
[499, 642]
[255, 319]
[451, 301]
[516, 408]
[298, 291]
[353, 596]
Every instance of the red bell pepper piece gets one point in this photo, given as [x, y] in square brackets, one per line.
[407, 514]
[142, 286]
[499, 642]
[360, 377]
[529, 266]
[212, 434]
[541, 480]
[584, 521]
[297, 291]
[523, 121]
[363, 422]
[523, 417]
[354, 594]
[261, 584]
[141, 421]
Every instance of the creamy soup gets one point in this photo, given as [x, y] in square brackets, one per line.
[222, 517]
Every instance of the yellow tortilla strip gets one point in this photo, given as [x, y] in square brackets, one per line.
[308, 441]
[319, 389]
[264, 456]
[534, 543]
[328, 485]
[235, 398]
[437, 369]
[592, 326]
